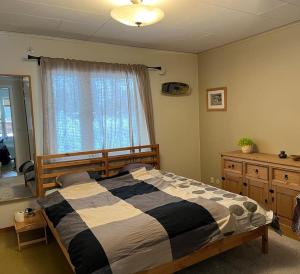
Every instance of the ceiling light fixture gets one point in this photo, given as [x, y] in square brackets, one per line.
[137, 14]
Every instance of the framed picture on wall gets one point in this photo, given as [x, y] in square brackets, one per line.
[217, 99]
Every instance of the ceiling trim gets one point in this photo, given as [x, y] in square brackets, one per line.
[252, 36]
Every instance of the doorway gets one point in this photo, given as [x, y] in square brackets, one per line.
[7, 144]
[17, 147]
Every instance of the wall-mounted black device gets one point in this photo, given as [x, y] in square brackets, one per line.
[175, 89]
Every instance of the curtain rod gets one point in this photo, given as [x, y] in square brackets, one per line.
[38, 59]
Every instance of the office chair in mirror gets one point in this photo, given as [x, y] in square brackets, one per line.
[17, 147]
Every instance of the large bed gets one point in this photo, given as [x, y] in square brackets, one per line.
[142, 221]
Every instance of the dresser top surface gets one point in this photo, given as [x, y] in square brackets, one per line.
[262, 157]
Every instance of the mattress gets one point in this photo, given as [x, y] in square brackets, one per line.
[145, 219]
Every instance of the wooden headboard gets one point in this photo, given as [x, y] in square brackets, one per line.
[107, 161]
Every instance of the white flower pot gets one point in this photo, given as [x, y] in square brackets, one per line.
[247, 149]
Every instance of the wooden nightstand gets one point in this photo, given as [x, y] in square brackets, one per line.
[31, 223]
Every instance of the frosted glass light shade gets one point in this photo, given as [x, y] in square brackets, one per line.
[137, 15]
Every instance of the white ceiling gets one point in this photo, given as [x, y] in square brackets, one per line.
[188, 26]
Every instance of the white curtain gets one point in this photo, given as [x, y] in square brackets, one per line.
[91, 105]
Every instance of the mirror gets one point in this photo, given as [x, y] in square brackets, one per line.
[17, 146]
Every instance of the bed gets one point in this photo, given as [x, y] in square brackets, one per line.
[145, 221]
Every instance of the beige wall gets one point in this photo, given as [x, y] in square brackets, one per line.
[7, 210]
[262, 76]
[176, 118]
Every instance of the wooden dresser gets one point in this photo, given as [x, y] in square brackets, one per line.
[273, 182]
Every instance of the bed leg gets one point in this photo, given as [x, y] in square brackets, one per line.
[264, 240]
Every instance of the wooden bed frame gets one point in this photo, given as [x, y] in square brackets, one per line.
[108, 162]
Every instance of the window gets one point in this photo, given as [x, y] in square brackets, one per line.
[94, 109]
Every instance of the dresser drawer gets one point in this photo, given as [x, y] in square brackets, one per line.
[255, 171]
[285, 176]
[233, 182]
[233, 166]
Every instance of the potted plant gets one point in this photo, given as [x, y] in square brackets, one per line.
[246, 145]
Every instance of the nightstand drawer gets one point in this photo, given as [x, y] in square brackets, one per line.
[256, 171]
[286, 177]
[233, 166]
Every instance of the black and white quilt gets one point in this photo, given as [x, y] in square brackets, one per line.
[144, 219]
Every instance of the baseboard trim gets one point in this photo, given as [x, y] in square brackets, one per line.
[4, 229]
